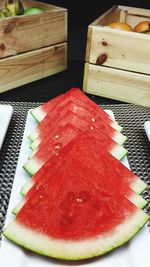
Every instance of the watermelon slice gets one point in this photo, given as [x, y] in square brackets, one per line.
[77, 121]
[40, 112]
[81, 124]
[76, 217]
[87, 143]
[60, 110]
[75, 95]
[107, 239]
[56, 135]
[52, 145]
[56, 162]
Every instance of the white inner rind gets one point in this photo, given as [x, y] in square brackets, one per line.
[18, 207]
[119, 138]
[116, 126]
[34, 145]
[118, 152]
[137, 200]
[27, 186]
[138, 185]
[32, 166]
[80, 249]
[38, 113]
[35, 134]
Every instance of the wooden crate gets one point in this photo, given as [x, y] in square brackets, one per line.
[32, 46]
[118, 62]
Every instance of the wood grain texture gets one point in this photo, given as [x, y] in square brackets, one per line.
[29, 32]
[27, 67]
[88, 44]
[136, 11]
[125, 50]
[111, 15]
[117, 84]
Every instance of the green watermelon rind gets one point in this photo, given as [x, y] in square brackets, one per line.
[136, 199]
[119, 138]
[34, 145]
[119, 152]
[116, 126]
[33, 165]
[38, 114]
[34, 135]
[76, 250]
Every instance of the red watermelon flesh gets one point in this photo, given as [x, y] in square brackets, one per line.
[75, 95]
[47, 107]
[75, 191]
[71, 117]
[78, 210]
[61, 136]
[58, 112]
[84, 150]
[66, 208]
[58, 137]
[52, 145]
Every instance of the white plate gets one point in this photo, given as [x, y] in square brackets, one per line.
[147, 129]
[5, 116]
[133, 254]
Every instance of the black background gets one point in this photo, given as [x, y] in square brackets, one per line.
[80, 14]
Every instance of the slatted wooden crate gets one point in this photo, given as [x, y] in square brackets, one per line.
[32, 46]
[118, 62]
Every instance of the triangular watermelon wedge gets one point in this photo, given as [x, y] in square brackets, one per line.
[60, 110]
[72, 153]
[87, 143]
[57, 139]
[80, 214]
[75, 95]
[80, 123]
[67, 153]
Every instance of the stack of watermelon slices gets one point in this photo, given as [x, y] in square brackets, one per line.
[81, 201]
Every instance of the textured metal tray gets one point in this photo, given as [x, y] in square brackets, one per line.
[131, 117]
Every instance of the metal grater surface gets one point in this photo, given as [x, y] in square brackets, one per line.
[131, 117]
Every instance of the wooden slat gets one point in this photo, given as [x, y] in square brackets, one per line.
[117, 84]
[136, 11]
[125, 50]
[88, 45]
[22, 69]
[110, 15]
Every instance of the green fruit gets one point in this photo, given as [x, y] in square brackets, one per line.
[2, 14]
[6, 13]
[33, 10]
[14, 7]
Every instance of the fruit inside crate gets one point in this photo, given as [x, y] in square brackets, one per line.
[129, 18]
[117, 61]
[9, 8]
